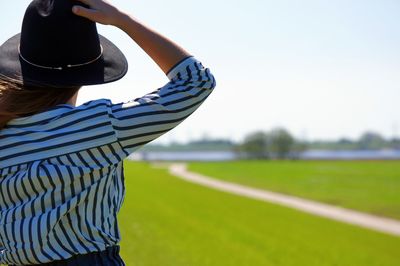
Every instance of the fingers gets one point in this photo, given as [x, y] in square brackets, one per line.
[85, 12]
[96, 10]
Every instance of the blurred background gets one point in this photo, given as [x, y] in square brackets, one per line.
[306, 104]
[323, 70]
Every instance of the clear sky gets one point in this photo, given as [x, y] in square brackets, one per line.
[322, 69]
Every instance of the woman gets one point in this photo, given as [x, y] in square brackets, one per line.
[61, 166]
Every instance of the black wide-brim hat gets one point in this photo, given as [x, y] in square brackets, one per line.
[57, 48]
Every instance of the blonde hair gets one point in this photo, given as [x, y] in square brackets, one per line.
[17, 99]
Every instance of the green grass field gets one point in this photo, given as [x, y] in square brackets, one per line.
[166, 221]
[369, 186]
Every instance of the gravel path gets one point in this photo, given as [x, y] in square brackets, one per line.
[386, 225]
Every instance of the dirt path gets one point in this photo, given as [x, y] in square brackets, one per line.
[385, 225]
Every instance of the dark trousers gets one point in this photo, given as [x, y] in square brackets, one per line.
[108, 257]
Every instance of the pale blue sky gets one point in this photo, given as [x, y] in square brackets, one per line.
[322, 69]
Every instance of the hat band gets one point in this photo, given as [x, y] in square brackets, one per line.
[61, 68]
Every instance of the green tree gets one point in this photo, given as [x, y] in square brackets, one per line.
[371, 141]
[275, 144]
[254, 146]
[280, 143]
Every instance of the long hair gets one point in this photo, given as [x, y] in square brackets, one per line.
[18, 100]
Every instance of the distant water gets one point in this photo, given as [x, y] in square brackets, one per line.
[185, 156]
[229, 156]
[351, 155]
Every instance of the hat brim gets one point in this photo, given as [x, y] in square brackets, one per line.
[112, 66]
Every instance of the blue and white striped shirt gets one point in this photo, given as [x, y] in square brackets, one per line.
[61, 171]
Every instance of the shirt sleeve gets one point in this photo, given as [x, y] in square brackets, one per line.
[139, 121]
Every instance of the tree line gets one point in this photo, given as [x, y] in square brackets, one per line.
[279, 143]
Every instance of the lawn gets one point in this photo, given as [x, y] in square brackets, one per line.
[166, 221]
[369, 186]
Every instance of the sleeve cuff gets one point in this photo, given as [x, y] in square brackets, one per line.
[181, 66]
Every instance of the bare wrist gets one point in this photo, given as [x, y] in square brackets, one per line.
[122, 20]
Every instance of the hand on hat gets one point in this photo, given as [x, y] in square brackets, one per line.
[165, 52]
[100, 11]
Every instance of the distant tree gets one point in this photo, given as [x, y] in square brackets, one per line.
[275, 144]
[371, 141]
[280, 143]
[254, 146]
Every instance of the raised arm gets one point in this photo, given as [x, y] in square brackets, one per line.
[141, 120]
[165, 53]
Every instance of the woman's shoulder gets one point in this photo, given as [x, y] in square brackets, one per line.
[55, 132]
[58, 111]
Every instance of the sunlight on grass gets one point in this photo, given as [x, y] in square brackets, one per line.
[370, 186]
[165, 221]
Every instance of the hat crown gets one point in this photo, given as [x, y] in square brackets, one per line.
[53, 36]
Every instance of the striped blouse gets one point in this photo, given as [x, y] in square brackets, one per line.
[61, 171]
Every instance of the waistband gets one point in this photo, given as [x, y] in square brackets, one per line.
[108, 257]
